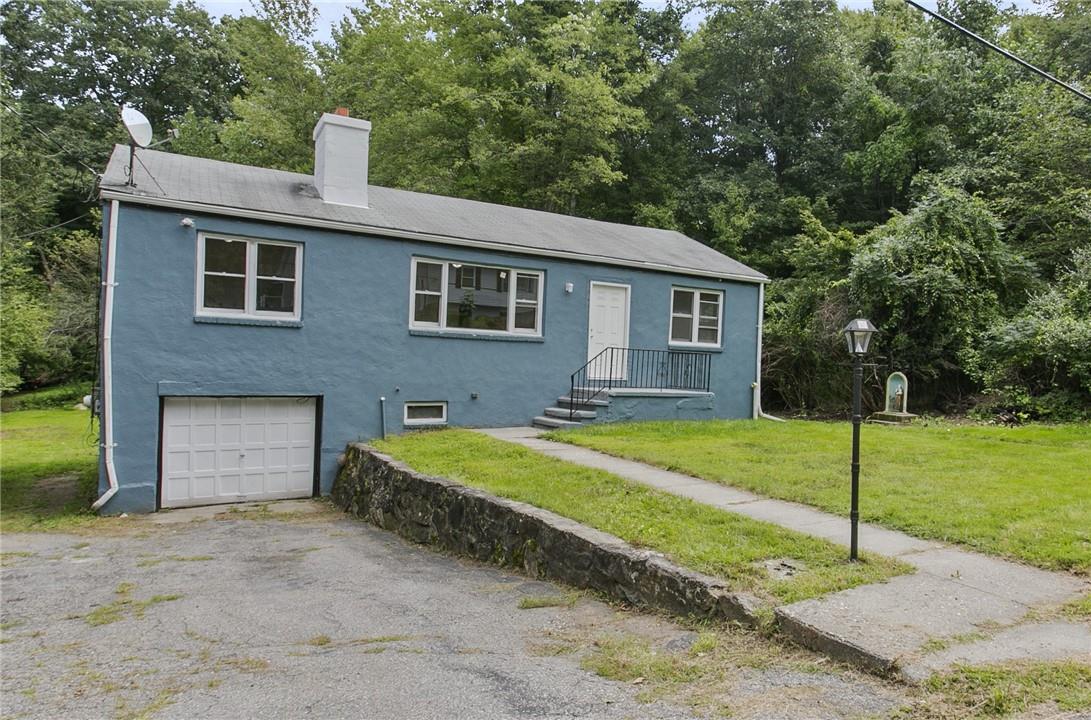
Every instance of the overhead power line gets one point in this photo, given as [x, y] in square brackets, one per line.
[46, 135]
[51, 227]
[1002, 51]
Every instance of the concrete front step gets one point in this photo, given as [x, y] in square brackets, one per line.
[552, 423]
[570, 414]
[565, 401]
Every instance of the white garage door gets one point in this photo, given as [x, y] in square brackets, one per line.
[224, 450]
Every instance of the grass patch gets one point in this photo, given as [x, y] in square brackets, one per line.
[163, 699]
[54, 396]
[243, 664]
[1016, 492]
[1001, 690]
[124, 605]
[698, 536]
[630, 659]
[49, 469]
[372, 645]
[942, 643]
[703, 677]
[380, 639]
[1080, 608]
[13, 557]
[532, 602]
[551, 649]
[153, 561]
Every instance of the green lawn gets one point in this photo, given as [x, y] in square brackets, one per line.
[704, 538]
[1021, 492]
[48, 469]
[54, 396]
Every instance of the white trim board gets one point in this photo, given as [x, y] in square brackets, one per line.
[355, 228]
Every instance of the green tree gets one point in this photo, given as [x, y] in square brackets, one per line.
[272, 117]
[933, 280]
[803, 359]
[1034, 150]
[73, 62]
[27, 197]
[1039, 361]
[520, 103]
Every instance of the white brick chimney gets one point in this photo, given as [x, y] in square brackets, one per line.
[340, 158]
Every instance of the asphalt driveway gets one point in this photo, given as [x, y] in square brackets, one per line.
[304, 615]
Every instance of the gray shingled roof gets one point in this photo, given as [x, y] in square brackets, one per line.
[180, 179]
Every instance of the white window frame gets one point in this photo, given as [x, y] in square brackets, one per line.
[250, 282]
[513, 276]
[442, 404]
[695, 310]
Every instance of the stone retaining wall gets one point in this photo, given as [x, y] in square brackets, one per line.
[439, 512]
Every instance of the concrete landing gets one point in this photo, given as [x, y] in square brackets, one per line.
[971, 605]
[207, 512]
[1032, 641]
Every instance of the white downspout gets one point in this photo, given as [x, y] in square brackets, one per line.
[757, 375]
[107, 361]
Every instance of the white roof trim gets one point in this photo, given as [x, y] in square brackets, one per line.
[274, 217]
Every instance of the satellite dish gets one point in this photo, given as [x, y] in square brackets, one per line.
[140, 130]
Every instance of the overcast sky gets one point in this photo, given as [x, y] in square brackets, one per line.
[331, 11]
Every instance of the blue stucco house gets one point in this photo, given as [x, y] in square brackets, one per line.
[255, 321]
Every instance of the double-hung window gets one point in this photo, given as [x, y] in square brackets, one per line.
[244, 277]
[696, 317]
[476, 298]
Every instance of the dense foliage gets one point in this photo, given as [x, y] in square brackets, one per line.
[868, 161]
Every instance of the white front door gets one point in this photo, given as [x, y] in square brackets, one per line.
[235, 449]
[608, 326]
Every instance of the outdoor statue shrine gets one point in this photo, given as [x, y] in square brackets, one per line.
[896, 386]
[896, 407]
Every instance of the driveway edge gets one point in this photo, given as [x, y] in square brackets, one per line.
[437, 511]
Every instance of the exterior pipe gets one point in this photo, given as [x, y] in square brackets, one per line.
[107, 416]
[382, 415]
[756, 385]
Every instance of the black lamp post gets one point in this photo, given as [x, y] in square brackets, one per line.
[857, 334]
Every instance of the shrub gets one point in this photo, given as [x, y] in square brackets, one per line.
[1039, 361]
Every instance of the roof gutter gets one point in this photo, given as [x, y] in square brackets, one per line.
[266, 216]
[107, 417]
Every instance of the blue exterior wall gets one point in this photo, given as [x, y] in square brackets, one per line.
[354, 344]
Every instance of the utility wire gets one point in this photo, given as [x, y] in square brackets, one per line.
[137, 156]
[51, 227]
[1002, 51]
[44, 134]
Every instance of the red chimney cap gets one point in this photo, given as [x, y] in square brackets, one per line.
[343, 111]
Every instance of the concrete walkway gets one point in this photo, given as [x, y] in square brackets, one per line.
[972, 606]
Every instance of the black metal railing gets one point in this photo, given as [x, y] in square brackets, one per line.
[637, 368]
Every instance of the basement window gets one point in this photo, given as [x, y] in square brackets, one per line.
[471, 298]
[248, 278]
[425, 413]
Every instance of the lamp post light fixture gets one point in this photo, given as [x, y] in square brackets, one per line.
[858, 335]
